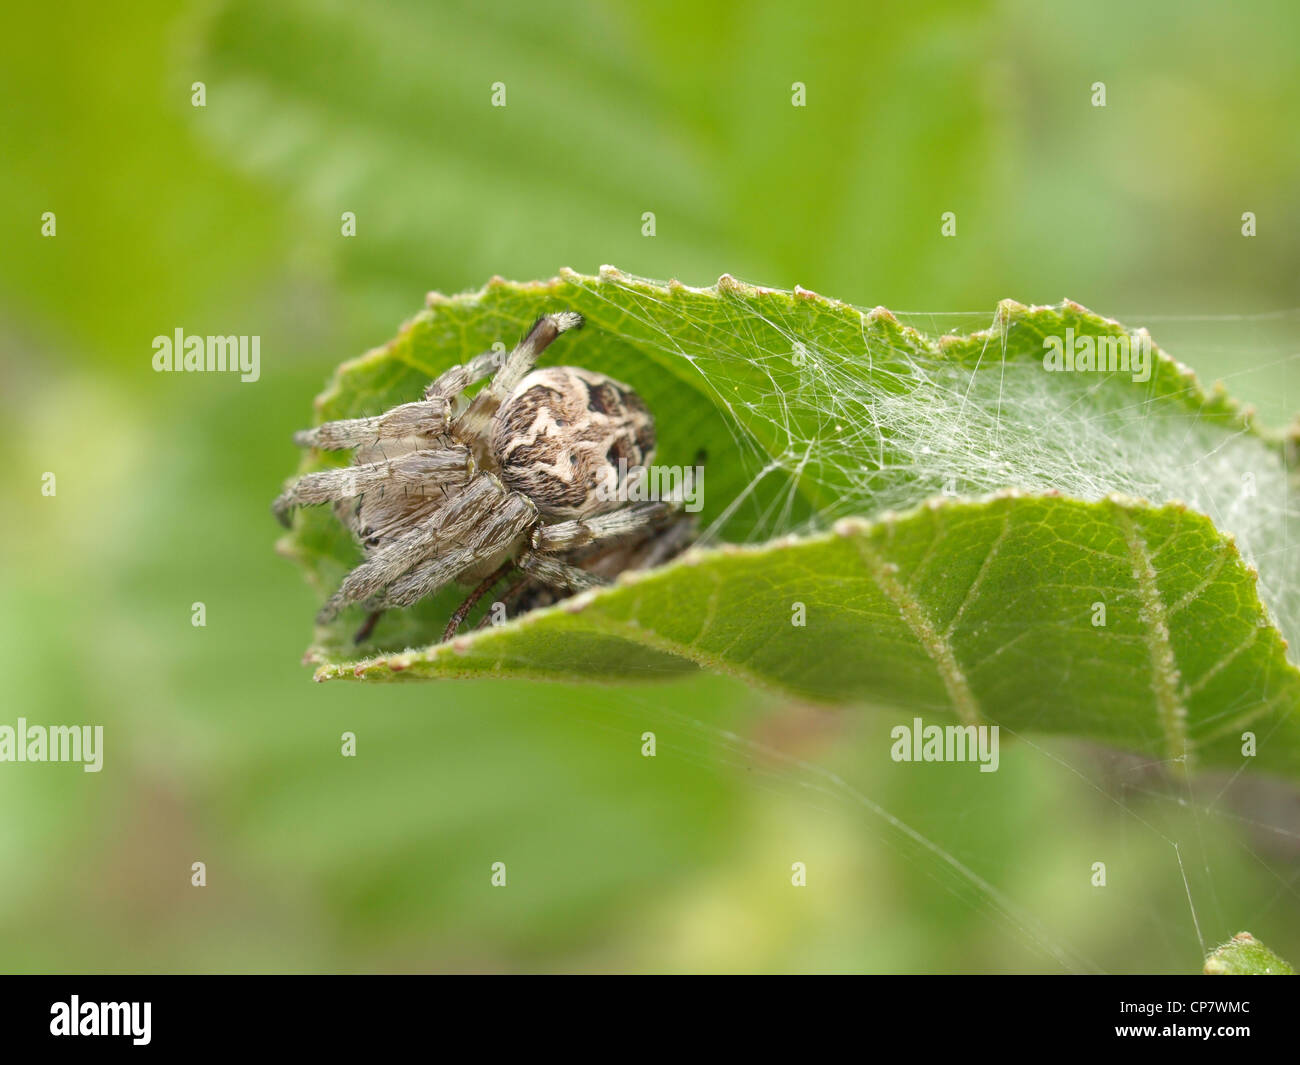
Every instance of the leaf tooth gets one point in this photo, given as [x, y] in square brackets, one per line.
[576, 604]
[1087, 314]
[692, 556]
[850, 527]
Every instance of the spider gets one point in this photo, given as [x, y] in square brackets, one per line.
[525, 476]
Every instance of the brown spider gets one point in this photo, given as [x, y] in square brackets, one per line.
[525, 476]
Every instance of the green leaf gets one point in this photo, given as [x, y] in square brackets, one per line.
[967, 533]
[1244, 955]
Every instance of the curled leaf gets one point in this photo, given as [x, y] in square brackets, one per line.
[939, 524]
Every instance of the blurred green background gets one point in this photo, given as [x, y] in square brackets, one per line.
[226, 219]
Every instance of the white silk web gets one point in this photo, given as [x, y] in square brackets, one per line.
[915, 426]
[877, 430]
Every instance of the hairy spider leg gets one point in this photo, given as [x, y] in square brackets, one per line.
[486, 585]
[415, 473]
[474, 422]
[484, 518]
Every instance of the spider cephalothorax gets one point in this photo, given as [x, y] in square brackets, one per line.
[529, 475]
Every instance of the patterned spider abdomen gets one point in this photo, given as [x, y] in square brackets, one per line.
[572, 440]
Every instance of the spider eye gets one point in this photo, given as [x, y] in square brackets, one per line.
[573, 460]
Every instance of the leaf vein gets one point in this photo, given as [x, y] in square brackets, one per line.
[934, 643]
[1171, 712]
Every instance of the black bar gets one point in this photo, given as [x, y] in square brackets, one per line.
[914, 1014]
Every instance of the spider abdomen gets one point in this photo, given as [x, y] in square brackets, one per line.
[570, 439]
